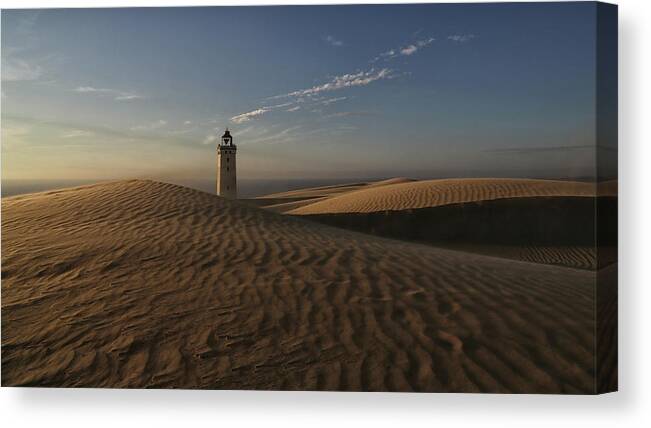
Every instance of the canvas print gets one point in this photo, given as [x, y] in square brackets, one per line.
[403, 198]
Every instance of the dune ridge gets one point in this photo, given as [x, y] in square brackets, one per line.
[433, 193]
[333, 190]
[286, 201]
[145, 284]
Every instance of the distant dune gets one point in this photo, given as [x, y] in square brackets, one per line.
[433, 193]
[543, 221]
[144, 284]
[287, 201]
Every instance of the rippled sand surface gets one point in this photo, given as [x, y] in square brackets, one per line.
[433, 193]
[144, 284]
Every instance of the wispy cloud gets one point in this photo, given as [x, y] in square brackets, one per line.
[361, 78]
[77, 133]
[90, 89]
[27, 61]
[116, 94]
[18, 131]
[312, 95]
[18, 70]
[210, 139]
[331, 40]
[407, 50]
[461, 38]
[13, 136]
[106, 132]
[255, 114]
[245, 117]
[127, 97]
[247, 131]
[280, 105]
[150, 126]
[333, 100]
[352, 113]
[287, 134]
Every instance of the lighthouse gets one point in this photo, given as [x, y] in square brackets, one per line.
[226, 172]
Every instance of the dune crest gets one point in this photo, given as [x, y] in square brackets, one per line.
[433, 193]
[145, 284]
[287, 201]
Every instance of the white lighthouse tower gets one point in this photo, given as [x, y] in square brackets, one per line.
[226, 172]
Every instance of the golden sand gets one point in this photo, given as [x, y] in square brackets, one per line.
[144, 284]
[433, 193]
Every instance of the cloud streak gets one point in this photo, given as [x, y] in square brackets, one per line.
[287, 134]
[461, 38]
[150, 126]
[77, 133]
[19, 70]
[352, 114]
[254, 114]
[127, 97]
[407, 50]
[361, 78]
[348, 80]
[121, 134]
[116, 94]
[332, 41]
[333, 100]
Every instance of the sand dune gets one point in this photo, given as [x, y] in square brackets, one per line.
[395, 180]
[333, 190]
[287, 201]
[433, 193]
[144, 284]
[541, 221]
[553, 230]
[316, 192]
[287, 204]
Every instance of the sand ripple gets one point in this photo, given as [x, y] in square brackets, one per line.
[144, 284]
[433, 193]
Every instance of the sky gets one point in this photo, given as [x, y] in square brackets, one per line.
[308, 92]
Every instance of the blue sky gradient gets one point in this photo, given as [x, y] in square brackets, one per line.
[320, 91]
